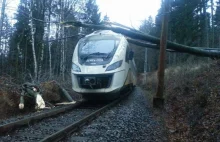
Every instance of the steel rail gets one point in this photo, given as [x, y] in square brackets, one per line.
[76, 125]
[26, 121]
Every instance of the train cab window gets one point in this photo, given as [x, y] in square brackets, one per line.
[127, 55]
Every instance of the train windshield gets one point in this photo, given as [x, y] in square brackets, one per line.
[100, 48]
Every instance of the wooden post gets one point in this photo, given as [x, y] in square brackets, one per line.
[158, 100]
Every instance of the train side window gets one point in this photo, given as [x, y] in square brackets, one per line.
[127, 55]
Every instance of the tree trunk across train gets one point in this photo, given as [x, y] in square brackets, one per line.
[141, 38]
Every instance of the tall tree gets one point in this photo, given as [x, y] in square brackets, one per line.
[33, 31]
[106, 18]
[2, 18]
[212, 21]
[217, 24]
[48, 35]
[92, 14]
[151, 56]
[20, 42]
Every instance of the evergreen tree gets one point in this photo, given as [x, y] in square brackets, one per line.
[183, 21]
[147, 57]
[92, 12]
[106, 18]
[20, 55]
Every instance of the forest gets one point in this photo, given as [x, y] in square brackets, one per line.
[37, 47]
[193, 23]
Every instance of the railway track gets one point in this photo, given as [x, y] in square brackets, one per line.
[53, 125]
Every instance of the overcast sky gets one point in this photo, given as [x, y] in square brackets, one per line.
[127, 12]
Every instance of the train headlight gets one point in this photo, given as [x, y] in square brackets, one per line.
[114, 66]
[75, 68]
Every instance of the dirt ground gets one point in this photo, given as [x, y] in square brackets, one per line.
[10, 97]
[192, 108]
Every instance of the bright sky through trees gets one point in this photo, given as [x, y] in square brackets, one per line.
[126, 12]
[129, 12]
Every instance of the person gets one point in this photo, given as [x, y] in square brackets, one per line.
[32, 91]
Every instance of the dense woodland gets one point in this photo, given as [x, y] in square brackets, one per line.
[195, 23]
[38, 47]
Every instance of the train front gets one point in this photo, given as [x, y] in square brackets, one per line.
[98, 70]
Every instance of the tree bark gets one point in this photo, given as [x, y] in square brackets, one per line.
[42, 17]
[32, 42]
[212, 34]
[162, 58]
[147, 38]
[62, 65]
[48, 38]
[2, 18]
[206, 27]
[1, 26]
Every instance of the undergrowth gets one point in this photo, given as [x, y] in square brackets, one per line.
[191, 101]
[10, 91]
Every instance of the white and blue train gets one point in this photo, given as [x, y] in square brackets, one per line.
[102, 65]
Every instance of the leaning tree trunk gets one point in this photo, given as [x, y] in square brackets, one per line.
[141, 38]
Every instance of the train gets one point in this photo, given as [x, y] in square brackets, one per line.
[102, 66]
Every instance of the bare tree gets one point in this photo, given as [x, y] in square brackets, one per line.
[32, 42]
[212, 34]
[48, 37]
[62, 65]
[1, 26]
[206, 27]
[2, 18]
[42, 6]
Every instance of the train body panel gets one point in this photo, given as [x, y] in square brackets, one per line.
[102, 63]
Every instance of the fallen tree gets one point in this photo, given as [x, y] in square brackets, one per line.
[141, 39]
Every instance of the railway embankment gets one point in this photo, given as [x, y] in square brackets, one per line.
[133, 119]
[10, 91]
[192, 108]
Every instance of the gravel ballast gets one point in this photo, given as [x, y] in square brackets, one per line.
[46, 127]
[132, 120]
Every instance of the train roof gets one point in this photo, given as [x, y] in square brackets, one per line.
[104, 32]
